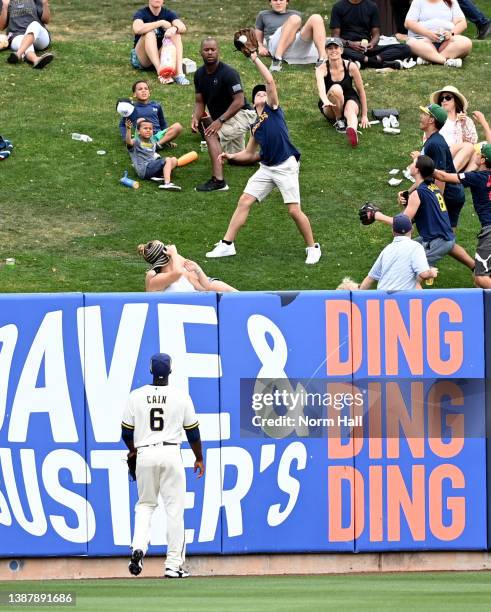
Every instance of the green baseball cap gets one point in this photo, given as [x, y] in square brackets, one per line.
[436, 111]
[486, 152]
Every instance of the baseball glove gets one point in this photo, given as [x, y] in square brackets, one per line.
[131, 461]
[245, 41]
[367, 213]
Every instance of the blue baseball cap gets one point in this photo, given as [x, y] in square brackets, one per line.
[161, 366]
[402, 224]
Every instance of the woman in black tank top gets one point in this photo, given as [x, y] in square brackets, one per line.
[339, 99]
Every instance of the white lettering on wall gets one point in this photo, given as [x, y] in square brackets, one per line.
[64, 459]
[52, 398]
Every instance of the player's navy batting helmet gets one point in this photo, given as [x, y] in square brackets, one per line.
[161, 366]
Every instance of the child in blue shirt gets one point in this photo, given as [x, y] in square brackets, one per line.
[163, 135]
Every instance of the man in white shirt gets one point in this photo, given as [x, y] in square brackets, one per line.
[152, 428]
[402, 263]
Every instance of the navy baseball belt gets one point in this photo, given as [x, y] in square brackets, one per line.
[160, 444]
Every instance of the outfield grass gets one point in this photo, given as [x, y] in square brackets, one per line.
[449, 591]
[72, 227]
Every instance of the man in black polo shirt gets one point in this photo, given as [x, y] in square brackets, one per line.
[357, 23]
[218, 89]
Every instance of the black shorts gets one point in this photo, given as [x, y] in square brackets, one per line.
[348, 96]
[454, 208]
[483, 252]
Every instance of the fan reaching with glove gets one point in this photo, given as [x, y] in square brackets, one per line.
[367, 213]
[245, 41]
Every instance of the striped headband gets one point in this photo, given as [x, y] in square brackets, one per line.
[155, 254]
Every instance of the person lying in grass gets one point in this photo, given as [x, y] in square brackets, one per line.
[170, 271]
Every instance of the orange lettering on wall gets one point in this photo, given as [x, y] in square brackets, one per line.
[396, 333]
[335, 310]
[342, 443]
[376, 497]
[454, 422]
[454, 339]
[398, 499]
[398, 415]
[456, 505]
[336, 475]
[373, 338]
[375, 420]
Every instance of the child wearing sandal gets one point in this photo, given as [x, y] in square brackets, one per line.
[142, 153]
[145, 108]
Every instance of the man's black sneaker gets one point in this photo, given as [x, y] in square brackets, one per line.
[213, 185]
[179, 573]
[136, 562]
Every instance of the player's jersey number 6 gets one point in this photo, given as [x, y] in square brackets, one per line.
[157, 419]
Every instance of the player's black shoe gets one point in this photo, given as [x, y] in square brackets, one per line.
[136, 562]
[180, 573]
[213, 184]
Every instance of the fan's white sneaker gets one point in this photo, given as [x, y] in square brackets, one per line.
[453, 63]
[222, 250]
[313, 254]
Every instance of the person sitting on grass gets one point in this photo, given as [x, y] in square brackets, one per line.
[25, 21]
[357, 23]
[459, 130]
[479, 183]
[339, 100]
[142, 153]
[163, 135]
[403, 263]
[435, 32]
[172, 272]
[280, 35]
[153, 24]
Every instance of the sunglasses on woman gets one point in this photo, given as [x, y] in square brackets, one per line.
[446, 97]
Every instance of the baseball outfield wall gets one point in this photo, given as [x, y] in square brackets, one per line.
[332, 421]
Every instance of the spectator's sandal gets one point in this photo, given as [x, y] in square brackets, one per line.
[43, 61]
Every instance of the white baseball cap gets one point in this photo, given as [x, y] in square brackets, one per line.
[124, 107]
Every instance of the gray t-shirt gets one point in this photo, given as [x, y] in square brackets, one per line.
[268, 21]
[141, 153]
[23, 12]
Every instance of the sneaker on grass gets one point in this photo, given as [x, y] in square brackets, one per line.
[180, 79]
[213, 184]
[136, 562]
[313, 254]
[352, 136]
[170, 187]
[276, 65]
[222, 249]
[340, 126]
[453, 63]
[179, 573]
[422, 62]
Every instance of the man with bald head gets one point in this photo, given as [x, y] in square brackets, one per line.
[219, 91]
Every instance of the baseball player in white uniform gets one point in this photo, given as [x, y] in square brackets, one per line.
[152, 426]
